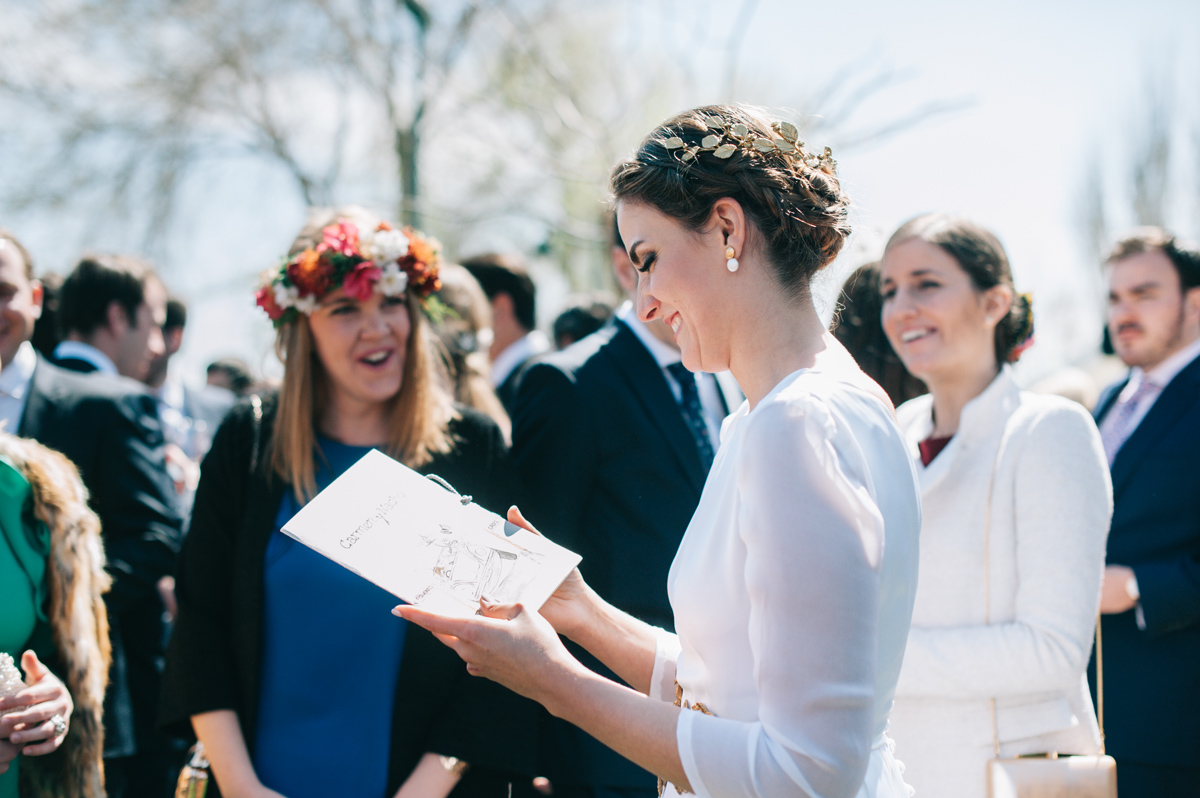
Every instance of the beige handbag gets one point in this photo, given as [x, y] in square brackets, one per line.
[1046, 775]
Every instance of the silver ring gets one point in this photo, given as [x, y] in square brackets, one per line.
[60, 725]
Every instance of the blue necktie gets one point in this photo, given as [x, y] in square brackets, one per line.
[693, 412]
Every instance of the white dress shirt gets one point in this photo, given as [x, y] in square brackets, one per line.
[530, 345]
[173, 414]
[1159, 378]
[711, 399]
[82, 351]
[792, 613]
[14, 386]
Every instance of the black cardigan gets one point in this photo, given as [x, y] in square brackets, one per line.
[214, 658]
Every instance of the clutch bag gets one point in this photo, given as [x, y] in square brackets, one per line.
[1050, 777]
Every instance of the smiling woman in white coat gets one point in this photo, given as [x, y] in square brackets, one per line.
[1016, 505]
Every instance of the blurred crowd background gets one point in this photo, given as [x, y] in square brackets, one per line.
[186, 131]
[195, 137]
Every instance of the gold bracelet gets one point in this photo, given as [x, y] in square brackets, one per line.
[453, 764]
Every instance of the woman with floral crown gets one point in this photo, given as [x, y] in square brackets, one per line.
[794, 582]
[287, 666]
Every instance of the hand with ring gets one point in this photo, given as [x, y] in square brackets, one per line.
[37, 718]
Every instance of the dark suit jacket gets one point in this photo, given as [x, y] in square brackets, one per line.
[214, 661]
[506, 391]
[109, 429]
[610, 471]
[1152, 677]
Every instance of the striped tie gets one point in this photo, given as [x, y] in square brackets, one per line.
[1116, 431]
[693, 412]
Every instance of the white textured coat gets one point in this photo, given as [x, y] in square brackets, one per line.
[1050, 508]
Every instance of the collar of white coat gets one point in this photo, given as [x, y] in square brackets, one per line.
[981, 422]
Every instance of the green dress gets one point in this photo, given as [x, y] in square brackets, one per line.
[24, 547]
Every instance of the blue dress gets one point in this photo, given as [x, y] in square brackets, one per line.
[331, 655]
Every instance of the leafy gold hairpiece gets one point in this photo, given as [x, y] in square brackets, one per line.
[723, 140]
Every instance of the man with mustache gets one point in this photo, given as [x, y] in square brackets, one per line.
[1150, 425]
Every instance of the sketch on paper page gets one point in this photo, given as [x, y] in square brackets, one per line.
[422, 543]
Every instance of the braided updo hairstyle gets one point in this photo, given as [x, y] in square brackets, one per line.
[981, 255]
[793, 199]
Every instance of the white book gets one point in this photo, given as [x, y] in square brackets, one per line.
[425, 544]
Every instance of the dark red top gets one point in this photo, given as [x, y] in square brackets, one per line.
[931, 448]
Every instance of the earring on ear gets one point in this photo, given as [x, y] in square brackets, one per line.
[731, 262]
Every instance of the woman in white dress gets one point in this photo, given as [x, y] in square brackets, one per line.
[1016, 499]
[794, 583]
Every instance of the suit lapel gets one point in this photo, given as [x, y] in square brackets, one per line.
[37, 398]
[649, 387]
[1176, 399]
[1108, 399]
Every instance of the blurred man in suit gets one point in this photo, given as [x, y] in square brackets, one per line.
[108, 427]
[583, 315]
[515, 339]
[1150, 425]
[612, 440]
[230, 374]
[111, 311]
[189, 416]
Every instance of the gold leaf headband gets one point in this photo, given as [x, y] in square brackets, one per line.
[723, 140]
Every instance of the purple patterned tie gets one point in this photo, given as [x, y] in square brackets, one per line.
[1115, 431]
[693, 412]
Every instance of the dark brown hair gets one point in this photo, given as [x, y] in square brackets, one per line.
[96, 282]
[981, 255]
[1184, 256]
[505, 273]
[858, 325]
[466, 356]
[799, 210]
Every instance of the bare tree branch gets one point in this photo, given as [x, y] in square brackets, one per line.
[1149, 171]
[519, 107]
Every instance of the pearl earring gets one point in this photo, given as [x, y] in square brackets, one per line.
[731, 262]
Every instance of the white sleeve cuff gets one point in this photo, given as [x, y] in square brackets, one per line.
[687, 752]
[662, 678]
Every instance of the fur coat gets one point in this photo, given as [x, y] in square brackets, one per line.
[76, 579]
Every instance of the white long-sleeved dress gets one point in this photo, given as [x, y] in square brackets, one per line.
[792, 592]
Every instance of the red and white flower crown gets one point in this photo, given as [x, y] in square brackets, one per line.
[393, 260]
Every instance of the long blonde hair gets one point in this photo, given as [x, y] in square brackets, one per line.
[419, 413]
[460, 333]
